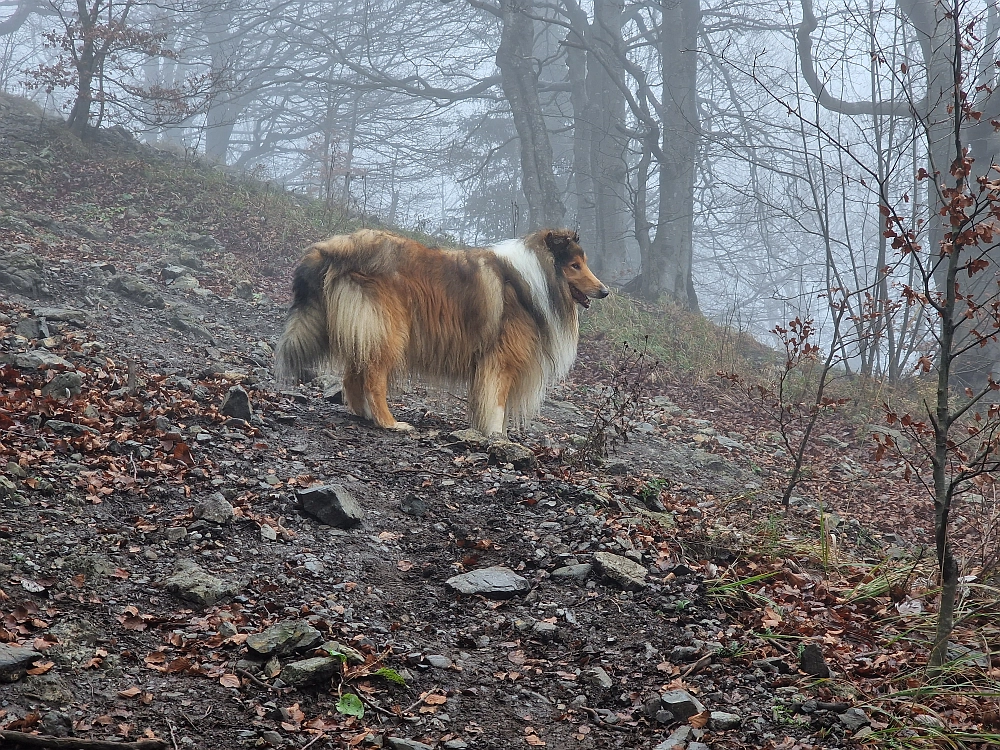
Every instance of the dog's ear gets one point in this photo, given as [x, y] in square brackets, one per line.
[558, 241]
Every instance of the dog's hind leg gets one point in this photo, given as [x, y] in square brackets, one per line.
[354, 393]
[376, 391]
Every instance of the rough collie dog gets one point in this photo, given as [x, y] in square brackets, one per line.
[502, 320]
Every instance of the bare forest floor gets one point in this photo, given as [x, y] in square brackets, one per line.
[128, 310]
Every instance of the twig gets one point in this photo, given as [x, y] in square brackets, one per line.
[173, 737]
[377, 707]
[697, 666]
[317, 738]
[75, 743]
[596, 718]
[254, 679]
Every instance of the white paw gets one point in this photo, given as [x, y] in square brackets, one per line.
[402, 427]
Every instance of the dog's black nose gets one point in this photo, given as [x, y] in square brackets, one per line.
[603, 292]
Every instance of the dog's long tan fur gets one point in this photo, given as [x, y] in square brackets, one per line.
[502, 320]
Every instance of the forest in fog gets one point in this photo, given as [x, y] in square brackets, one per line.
[741, 158]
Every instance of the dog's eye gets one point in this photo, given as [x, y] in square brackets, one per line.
[575, 266]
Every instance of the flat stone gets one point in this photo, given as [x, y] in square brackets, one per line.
[192, 583]
[310, 671]
[677, 739]
[721, 721]
[438, 661]
[63, 385]
[577, 572]
[967, 656]
[508, 452]
[284, 638]
[402, 743]
[38, 358]
[470, 438]
[185, 283]
[812, 662]
[854, 719]
[597, 677]
[237, 404]
[681, 704]
[681, 654]
[331, 504]
[626, 573]
[61, 313]
[15, 661]
[494, 583]
[134, 288]
[69, 428]
[215, 509]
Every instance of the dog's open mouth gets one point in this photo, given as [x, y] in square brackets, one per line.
[579, 296]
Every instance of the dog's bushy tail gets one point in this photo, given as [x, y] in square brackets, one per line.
[304, 346]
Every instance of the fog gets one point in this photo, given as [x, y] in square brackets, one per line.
[728, 156]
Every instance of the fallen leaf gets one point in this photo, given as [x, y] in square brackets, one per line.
[41, 667]
[129, 692]
[230, 681]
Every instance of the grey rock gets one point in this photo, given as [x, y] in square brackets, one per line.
[185, 283]
[494, 583]
[456, 744]
[967, 656]
[854, 718]
[402, 743]
[63, 385]
[15, 661]
[215, 509]
[508, 452]
[681, 704]
[62, 314]
[30, 328]
[650, 706]
[185, 319]
[626, 573]
[57, 724]
[812, 662]
[546, 631]
[721, 721]
[574, 572]
[469, 438]
[597, 677]
[773, 664]
[413, 505]
[69, 428]
[331, 504]
[272, 738]
[38, 358]
[175, 533]
[698, 746]
[237, 404]
[310, 671]
[663, 716]
[438, 661]
[677, 739]
[284, 638]
[192, 583]
[684, 653]
[134, 288]
[171, 272]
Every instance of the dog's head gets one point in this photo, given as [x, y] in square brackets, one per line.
[571, 262]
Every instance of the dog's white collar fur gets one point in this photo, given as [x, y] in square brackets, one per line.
[564, 333]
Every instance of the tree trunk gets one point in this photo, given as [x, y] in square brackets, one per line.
[608, 144]
[583, 180]
[668, 272]
[519, 81]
